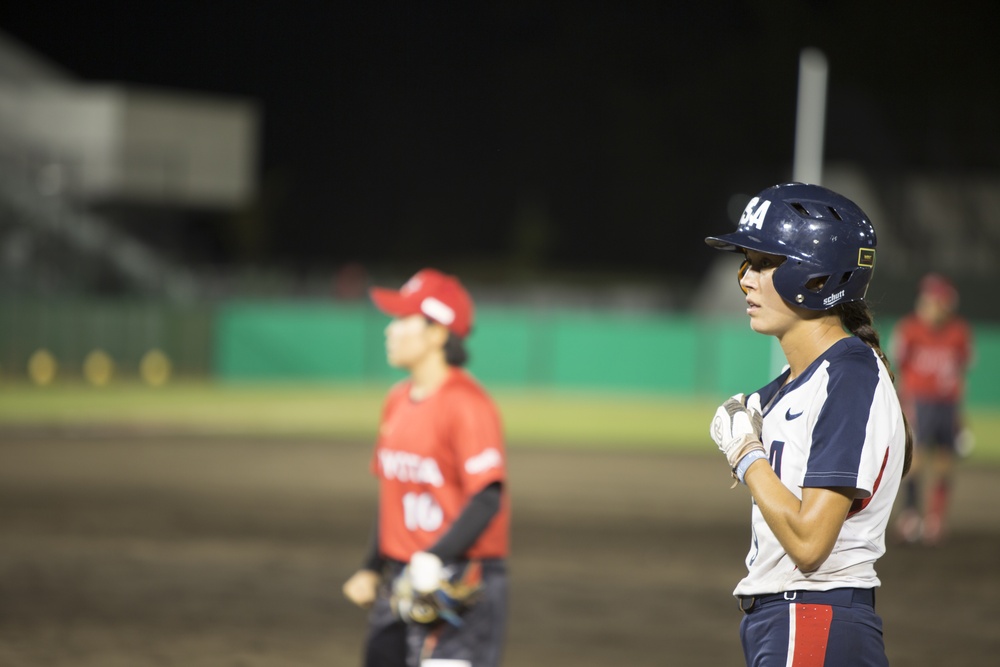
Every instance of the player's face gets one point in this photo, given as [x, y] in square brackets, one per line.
[411, 340]
[933, 309]
[769, 313]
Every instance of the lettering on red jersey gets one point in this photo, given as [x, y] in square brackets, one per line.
[410, 467]
[432, 457]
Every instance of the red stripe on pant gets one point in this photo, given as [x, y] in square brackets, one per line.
[808, 634]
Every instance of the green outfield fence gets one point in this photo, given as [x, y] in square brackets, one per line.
[70, 329]
[321, 341]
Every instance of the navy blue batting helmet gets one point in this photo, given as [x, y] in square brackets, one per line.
[827, 240]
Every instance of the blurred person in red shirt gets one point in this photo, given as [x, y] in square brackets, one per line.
[443, 519]
[933, 349]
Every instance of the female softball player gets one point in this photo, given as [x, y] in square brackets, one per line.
[932, 348]
[823, 447]
[435, 576]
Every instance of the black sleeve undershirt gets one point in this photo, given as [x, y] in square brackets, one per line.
[373, 559]
[469, 525]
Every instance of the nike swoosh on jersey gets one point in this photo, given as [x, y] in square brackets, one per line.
[789, 416]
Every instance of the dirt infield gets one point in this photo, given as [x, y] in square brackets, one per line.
[178, 551]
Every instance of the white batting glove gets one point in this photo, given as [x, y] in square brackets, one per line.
[736, 429]
[425, 572]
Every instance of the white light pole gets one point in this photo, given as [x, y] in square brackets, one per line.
[810, 117]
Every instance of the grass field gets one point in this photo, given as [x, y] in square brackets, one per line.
[536, 417]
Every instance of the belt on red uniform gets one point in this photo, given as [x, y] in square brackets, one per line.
[838, 597]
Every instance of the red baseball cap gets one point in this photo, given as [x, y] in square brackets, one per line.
[938, 286]
[434, 294]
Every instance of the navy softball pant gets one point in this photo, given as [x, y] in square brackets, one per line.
[837, 628]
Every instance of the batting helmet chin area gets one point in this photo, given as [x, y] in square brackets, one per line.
[827, 240]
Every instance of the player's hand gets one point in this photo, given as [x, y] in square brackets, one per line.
[736, 427]
[425, 572]
[426, 591]
[413, 591]
[362, 588]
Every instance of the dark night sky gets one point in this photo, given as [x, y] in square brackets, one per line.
[604, 135]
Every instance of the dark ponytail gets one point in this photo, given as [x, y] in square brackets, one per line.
[455, 353]
[857, 318]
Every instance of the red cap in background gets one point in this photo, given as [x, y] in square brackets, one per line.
[433, 294]
[938, 286]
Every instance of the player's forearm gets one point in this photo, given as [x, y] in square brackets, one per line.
[373, 558]
[804, 530]
[470, 524]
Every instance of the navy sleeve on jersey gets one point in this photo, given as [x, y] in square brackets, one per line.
[838, 437]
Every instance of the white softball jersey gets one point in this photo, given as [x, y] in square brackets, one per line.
[838, 424]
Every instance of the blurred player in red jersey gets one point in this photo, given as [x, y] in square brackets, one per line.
[933, 350]
[442, 528]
